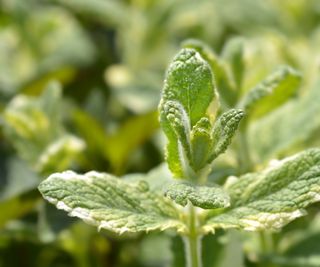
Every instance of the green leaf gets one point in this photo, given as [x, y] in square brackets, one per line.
[189, 82]
[106, 12]
[31, 58]
[201, 142]
[272, 92]
[224, 83]
[205, 197]
[187, 94]
[18, 195]
[110, 203]
[273, 197]
[233, 53]
[295, 123]
[34, 126]
[223, 131]
[179, 122]
[130, 135]
[58, 154]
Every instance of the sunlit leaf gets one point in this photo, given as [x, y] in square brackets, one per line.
[273, 197]
[111, 203]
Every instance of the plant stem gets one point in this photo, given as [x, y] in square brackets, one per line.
[193, 241]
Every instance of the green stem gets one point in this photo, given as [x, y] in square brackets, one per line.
[193, 241]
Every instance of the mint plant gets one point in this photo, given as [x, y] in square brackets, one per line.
[199, 126]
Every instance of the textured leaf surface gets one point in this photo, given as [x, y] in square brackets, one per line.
[272, 92]
[224, 129]
[189, 82]
[200, 196]
[201, 142]
[272, 198]
[295, 123]
[179, 122]
[110, 203]
[225, 85]
[187, 94]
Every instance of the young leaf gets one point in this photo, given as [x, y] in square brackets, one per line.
[187, 94]
[225, 84]
[223, 131]
[189, 82]
[201, 142]
[179, 122]
[110, 203]
[205, 197]
[273, 197]
[272, 92]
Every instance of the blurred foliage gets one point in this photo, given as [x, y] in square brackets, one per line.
[107, 58]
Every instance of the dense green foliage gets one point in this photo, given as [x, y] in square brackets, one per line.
[80, 84]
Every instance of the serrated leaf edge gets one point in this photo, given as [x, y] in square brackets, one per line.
[84, 215]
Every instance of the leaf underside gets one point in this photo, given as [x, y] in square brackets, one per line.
[110, 203]
[271, 198]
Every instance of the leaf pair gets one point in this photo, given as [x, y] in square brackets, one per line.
[268, 199]
[187, 95]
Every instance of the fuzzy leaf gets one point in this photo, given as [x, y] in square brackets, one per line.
[200, 196]
[179, 122]
[296, 123]
[201, 142]
[272, 92]
[273, 197]
[189, 82]
[187, 94]
[110, 203]
[225, 84]
[223, 131]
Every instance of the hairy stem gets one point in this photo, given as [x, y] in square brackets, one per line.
[193, 241]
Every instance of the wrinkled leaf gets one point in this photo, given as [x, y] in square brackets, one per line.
[223, 131]
[201, 142]
[110, 203]
[272, 92]
[179, 122]
[273, 197]
[289, 127]
[189, 82]
[206, 197]
[224, 83]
